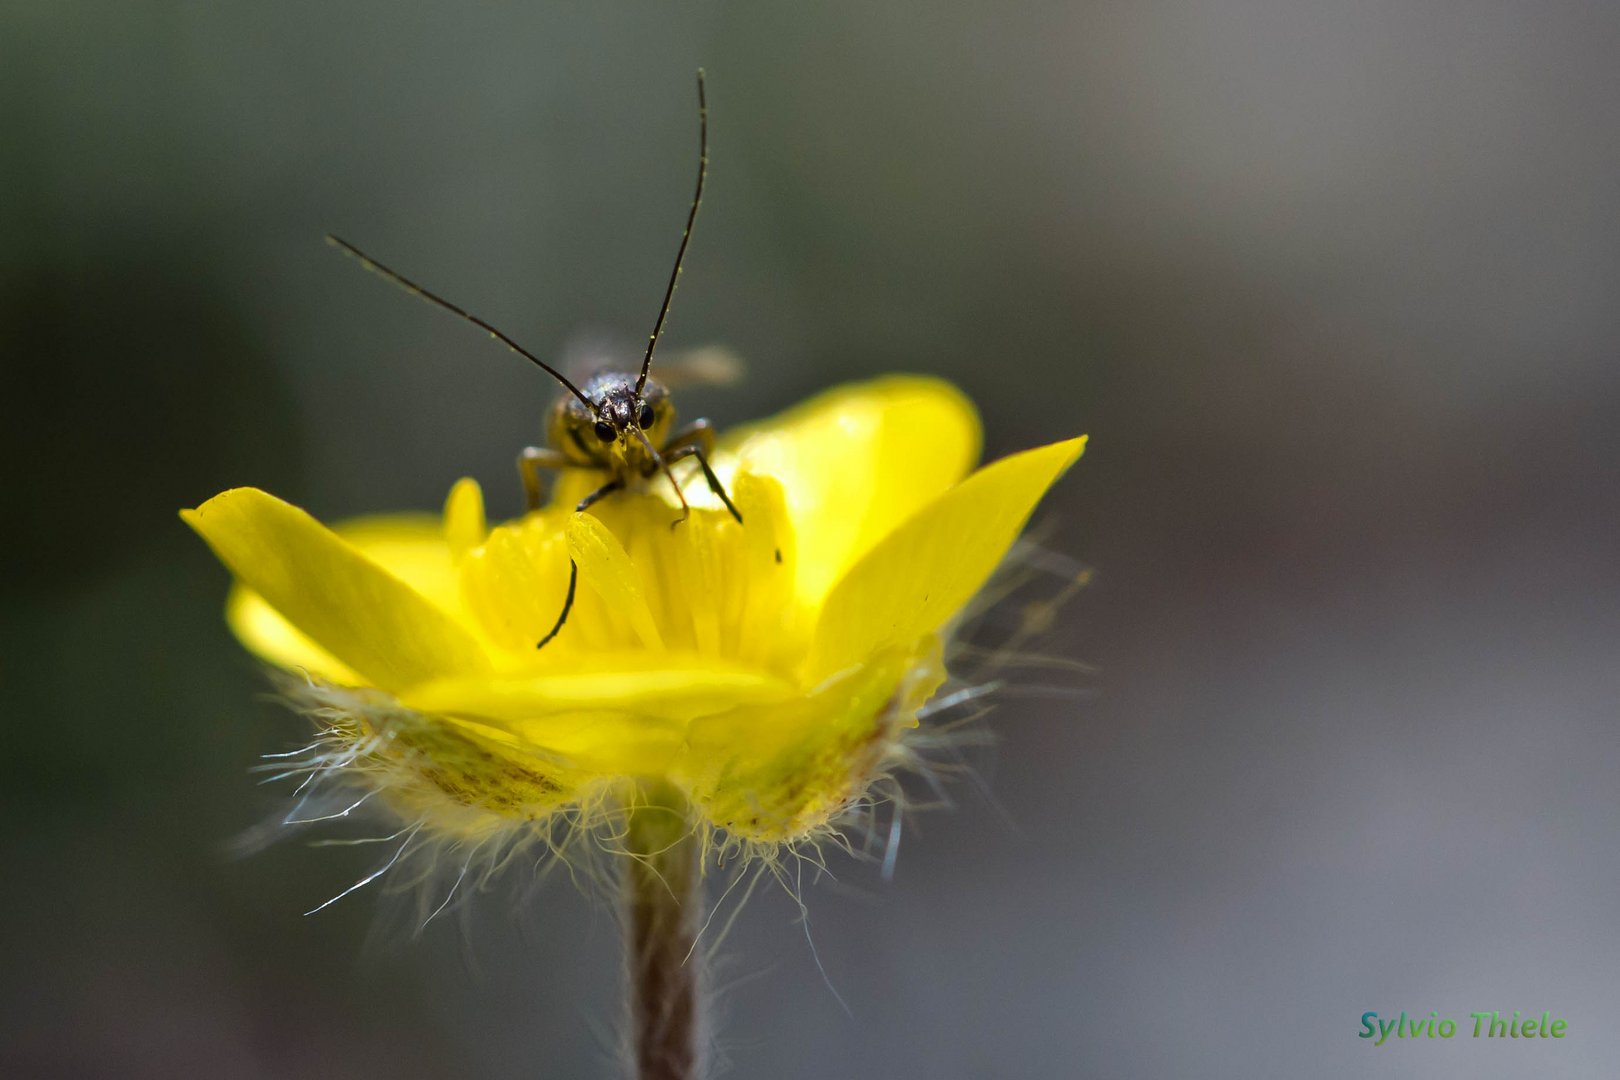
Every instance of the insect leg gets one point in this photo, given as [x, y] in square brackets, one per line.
[684, 452]
[697, 433]
[686, 511]
[606, 489]
[656, 463]
[573, 568]
[568, 604]
[529, 464]
[697, 440]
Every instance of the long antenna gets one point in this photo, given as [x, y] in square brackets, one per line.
[703, 170]
[416, 290]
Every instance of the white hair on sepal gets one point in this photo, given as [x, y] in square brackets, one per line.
[358, 771]
[1022, 606]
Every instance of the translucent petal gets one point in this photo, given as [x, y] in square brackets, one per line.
[919, 576]
[606, 569]
[409, 546]
[270, 637]
[366, 616]
[856, 461]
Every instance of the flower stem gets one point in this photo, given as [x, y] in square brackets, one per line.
[664, 901]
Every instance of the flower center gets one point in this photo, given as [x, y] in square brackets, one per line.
[706, 587]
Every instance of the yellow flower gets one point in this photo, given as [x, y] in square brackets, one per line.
[767, 670]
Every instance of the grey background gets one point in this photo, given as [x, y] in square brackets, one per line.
[1332, 287]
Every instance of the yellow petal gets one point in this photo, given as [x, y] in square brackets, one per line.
[922, 573]
[771, 626]
[515, 582]
[654, 685]
[607, 570]
[341, 600]
[409, 546]
[269, 636]
[856, 461]
[623, 714]
[412, 548]
[464, 525]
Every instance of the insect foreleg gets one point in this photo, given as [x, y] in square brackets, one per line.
[655, 463]
[529, 464]
[606, 489]
[697, 440]
[699, 433]
[684, 452]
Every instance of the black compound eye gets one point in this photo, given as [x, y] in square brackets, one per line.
[646, 418]
[605, 432]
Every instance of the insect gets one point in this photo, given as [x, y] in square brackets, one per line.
[620, 424]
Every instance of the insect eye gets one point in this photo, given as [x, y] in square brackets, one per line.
[605, 432]
[646, 418]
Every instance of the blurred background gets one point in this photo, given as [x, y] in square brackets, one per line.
[1331, 286]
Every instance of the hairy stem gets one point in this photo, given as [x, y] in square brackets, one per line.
[664, 901]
